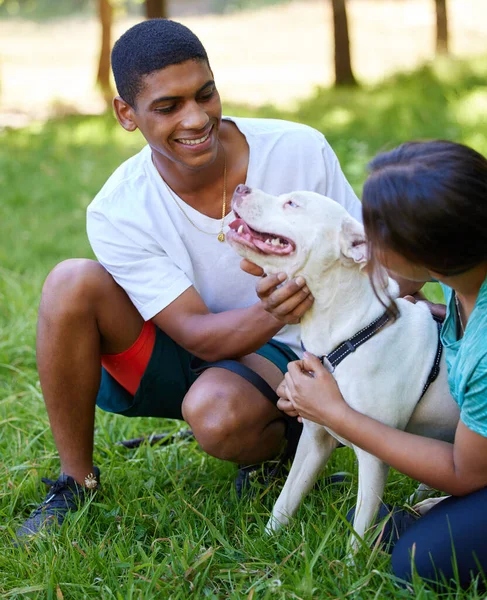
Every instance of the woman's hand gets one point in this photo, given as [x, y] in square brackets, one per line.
[312, 392]
[286, 302]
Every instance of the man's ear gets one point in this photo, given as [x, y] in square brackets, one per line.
[353, 245]
[125, 114]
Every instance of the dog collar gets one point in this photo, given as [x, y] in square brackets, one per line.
[348, 346]
[330, 361]
[435, 369]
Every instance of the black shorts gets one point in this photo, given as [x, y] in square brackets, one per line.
[169, 375]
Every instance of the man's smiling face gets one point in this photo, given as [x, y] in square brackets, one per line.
[178, 111]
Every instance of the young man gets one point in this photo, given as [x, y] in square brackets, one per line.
[176, 324]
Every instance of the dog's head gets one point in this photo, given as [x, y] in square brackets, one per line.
[297, 232]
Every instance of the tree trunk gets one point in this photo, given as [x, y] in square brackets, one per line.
[343, 64]
[105, 13]
[156, 9]
[441, 27]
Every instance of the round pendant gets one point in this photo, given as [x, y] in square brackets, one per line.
[221, 237]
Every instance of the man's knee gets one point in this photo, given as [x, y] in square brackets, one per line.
[216, 418]
[75, 285]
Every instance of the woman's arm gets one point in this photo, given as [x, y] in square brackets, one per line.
[459, 468]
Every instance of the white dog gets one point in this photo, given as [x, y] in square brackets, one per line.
[311, 235]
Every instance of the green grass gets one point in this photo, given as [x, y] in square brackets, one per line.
[167, 523]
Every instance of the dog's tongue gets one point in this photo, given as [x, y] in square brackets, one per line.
[235, 225]
[262, 241]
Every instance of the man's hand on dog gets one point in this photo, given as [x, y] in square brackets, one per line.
[437, 310]
[286, 301]
[309, 391]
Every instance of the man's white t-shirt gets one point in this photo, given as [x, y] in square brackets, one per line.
[152, 250]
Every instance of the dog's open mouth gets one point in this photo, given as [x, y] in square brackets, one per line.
[267, 243]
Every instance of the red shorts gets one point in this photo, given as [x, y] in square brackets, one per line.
[128, 367]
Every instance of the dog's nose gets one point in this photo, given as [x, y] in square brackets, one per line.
[242, 190]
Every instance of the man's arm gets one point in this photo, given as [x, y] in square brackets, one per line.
[152, 280]
[229, 334]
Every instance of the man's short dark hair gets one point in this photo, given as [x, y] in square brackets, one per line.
[150, 46]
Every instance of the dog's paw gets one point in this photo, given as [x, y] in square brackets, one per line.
[422, 492]
[274, 524]
[426, 505]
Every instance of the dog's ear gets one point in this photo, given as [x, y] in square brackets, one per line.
[353, 245]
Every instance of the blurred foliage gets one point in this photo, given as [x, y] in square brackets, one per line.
[446, 99]
[227, 6]
[49, 173]
[39, 10]
[43, 9]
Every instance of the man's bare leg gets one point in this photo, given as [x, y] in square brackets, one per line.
[231, 419]
[83, 314]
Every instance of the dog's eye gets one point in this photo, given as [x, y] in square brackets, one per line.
[291, 204]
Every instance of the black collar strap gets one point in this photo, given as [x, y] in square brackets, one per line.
[343, 350]
[435, 369]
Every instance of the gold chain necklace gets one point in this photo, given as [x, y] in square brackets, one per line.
[220, 236]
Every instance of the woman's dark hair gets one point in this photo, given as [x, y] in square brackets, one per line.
[150, 46]
[427, 201]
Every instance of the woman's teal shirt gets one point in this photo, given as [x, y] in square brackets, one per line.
[467, 360]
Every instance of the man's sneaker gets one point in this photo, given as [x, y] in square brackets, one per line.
[64, 494]
[266, 472]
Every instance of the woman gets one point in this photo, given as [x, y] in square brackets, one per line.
[425, 216]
